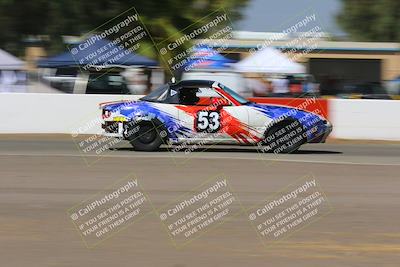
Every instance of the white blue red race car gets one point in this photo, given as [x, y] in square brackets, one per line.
[208, 112]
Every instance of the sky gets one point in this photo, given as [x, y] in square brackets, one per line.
[275, 16]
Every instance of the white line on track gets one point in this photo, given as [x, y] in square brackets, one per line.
[148, 155]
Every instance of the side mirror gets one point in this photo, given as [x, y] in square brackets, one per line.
[219, 102]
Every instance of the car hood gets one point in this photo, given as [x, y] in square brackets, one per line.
[275, 111]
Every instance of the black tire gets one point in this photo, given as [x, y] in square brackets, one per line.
[285, 137]
[147, 137]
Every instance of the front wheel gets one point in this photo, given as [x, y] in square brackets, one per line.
[146, 138]
[285, 137]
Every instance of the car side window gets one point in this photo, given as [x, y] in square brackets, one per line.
[206, 96]
[188, 96]
[192, 96]
[207, 92]
[109, 83]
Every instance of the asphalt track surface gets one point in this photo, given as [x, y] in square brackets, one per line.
[43, 176]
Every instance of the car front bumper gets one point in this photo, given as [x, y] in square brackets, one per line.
[113, 129]
[322, 137]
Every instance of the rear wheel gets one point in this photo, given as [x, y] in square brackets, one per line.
[285, 137]
[146, 138]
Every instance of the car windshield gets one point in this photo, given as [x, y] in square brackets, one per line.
[235, 95]
[158, 95]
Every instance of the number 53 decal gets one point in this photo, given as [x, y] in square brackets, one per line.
[208, 121]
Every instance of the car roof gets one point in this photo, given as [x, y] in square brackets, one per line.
[192, 83]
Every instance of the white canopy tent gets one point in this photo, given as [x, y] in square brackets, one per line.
[10, 62]
[12, 73]
[269, 60]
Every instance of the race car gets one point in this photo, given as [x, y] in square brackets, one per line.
[207, 112]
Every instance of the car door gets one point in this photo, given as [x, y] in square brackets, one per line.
[211, 123]
[235, 124]
[202, 118]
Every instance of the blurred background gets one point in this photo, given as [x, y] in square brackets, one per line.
[332, 48]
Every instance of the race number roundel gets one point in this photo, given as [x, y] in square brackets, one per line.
[208, 121]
